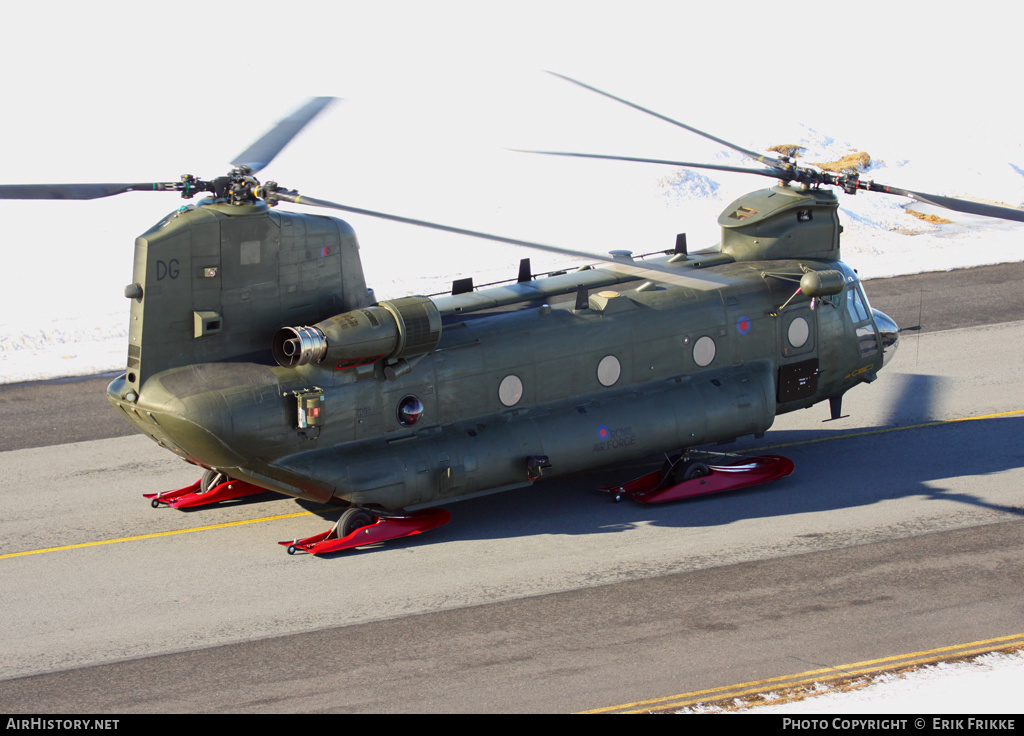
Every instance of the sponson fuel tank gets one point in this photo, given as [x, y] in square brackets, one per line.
[494, 452]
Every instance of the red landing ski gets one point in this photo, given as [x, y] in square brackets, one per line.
[191, 496]
[651, 489]
[383, 530]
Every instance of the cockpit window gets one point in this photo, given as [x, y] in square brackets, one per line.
[867, 340]
[856, 304]
[860, 314]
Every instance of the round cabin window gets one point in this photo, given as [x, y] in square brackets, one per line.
[704, 351]
[510, 390]
[608, 370]
[799, 331]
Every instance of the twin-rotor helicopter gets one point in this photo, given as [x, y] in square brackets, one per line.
[257, 353]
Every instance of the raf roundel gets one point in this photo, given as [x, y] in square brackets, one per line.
[743, 325]
[602, 432]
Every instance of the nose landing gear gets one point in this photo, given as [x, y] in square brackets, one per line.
[689, 478]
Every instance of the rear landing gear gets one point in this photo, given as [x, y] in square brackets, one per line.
[211, 479]
[691, 469]
[358, 527]
[214, 486]
[352, 520]
[680, 468]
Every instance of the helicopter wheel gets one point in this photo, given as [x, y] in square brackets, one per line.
[692, 469]
[353, 518]
[689, 470]
[211, 479]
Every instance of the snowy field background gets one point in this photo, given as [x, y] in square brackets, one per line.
[72, 319]
[434, 94]
[988, 684]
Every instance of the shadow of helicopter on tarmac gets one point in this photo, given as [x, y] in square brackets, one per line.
[835, 471]
[908, 454]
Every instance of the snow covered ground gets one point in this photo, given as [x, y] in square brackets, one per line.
[435, 92]
[74, 322]
[988, 684]
[433, 95]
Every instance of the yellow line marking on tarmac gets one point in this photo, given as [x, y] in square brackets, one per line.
[825, 674]
[303, 513]
[886, 430]
[154, 535]
[937, 423]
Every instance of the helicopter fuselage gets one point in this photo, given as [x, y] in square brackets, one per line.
[536, 378]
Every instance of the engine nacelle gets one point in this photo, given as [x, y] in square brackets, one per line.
[394, 329]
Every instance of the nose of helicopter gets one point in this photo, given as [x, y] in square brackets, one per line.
[888, 333]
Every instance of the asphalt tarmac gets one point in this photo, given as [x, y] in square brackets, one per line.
[900, 531]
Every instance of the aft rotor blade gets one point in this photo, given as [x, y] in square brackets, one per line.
[656, 272]
[263, 151]
[767, 160]
[772, 173]
[80, 191]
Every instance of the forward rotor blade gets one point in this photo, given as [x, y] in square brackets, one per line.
[780, 170]
[962, 205]
[767, 160]
[80, 191]
[263, 151]
[772, 173]
[655, 272]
